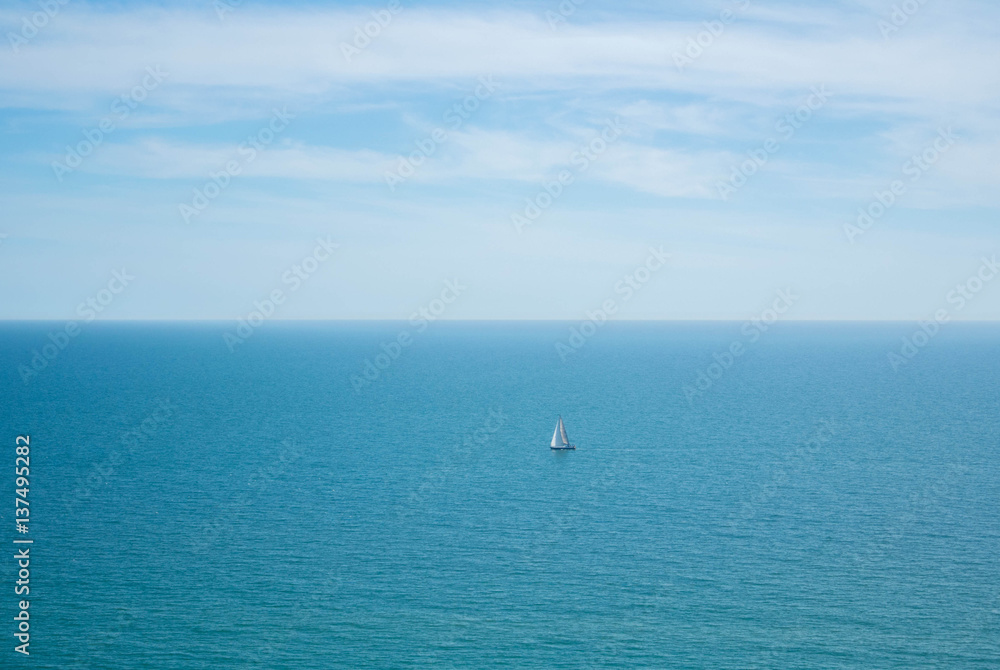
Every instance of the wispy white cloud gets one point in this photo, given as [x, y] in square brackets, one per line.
[161, 159]
[475, 154]
[295, 54]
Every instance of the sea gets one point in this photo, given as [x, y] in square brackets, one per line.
[380, 495]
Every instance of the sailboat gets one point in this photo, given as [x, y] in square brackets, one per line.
[559, 439]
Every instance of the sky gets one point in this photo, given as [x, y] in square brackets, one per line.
[187, 160]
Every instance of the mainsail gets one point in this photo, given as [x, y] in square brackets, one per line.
[559, 438]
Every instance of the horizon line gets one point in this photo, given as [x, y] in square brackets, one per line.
[398, 320]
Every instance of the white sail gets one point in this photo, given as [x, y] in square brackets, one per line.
[559, 435]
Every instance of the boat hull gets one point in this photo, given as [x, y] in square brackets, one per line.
[568, 448]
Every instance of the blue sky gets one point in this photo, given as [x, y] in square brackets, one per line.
[180, 87]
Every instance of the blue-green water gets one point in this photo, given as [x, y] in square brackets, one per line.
[813, 508]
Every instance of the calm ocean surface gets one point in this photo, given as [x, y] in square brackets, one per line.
[813, 508]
